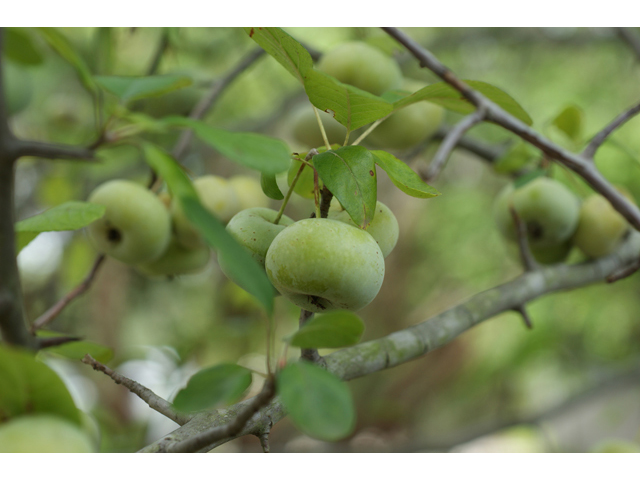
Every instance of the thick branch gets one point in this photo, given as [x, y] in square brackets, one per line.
[413, 342]
[216, 90]
[617, 122]
[154, 401]
[576, 162]
[52, 151]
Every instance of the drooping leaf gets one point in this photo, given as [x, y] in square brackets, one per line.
[28, 386]
[350, 174]
[19, 47]
[443, 94]
[403, 176]
[317, 401]
[129, 88]
[570, 122]
[245, 270]
[336, 329]
[349, 105]
[63, 47]
[213, 386]
[260, 152]
[270, 186]
[284, 48]
[77, 350]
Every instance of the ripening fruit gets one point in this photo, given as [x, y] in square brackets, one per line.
[548, 208]
[217, 196]
[321, 264]
[177, 260]
[43, 434]
[136, 227]
[254, 230]
[249, 192]
[363, 66]
[305, 129]
[383, 228]
[600, 229]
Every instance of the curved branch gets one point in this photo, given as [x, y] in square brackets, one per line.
[413, 342]
[617, 122]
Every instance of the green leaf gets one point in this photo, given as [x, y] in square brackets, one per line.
[349, 105]
[528, 177]
[28, 386]
[213, 386]
[23, 239]
[270, 186]
[284, 48]
[570, 121]
[350, 174]
[61, 45]
[131, 88]
[317, 401]
[244, 269]
[337, 329]
[19, 47]
[445, 95]
[77, 350]
[259, 152]
[403, 176]
[514, 159]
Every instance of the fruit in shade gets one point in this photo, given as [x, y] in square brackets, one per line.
[600, 229]
[136, 226]
[249, 192]
[217, 196]
[43, 434]
[305, 129]
[383, 228]
[363, 66]
[549, 210]
[254, 230]
[177, 260]
[321, 264]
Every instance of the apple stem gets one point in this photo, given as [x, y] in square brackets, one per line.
[324, 134]
[288, 195]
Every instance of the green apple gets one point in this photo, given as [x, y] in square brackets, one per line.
[600, 228]
[383, 228]
[217, 196]
[321, 264]
[43, 434]
[549, 210]
[254, 230]
[136, 227]
[177, 260]
[363, 66]
[552, 254]
[249, 192]
[305, 129]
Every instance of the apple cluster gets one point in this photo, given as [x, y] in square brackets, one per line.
[556, 220]
[368, 68]
[156, 236]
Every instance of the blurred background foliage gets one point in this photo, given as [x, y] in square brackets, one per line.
[567, 385]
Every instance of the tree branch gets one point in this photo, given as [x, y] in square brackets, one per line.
[413, 342]
[159, 52]
[576, 162]
[632, 39]
[617, 122]
[52, 151]
[159, 404]
[48, 316]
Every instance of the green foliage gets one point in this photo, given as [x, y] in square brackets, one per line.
[128, 89]
[515, 158]
[337, 329]
[570, 122]
[403, 176]
[317, 401]
[247, 273]
[270, 186]
[350, 174]
[19, 47]
[77, 350]
[213, 386]
[29, 386]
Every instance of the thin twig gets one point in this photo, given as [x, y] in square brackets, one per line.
[485, 151]
[48, 316]
[450, 142]
[617, 122]
[198, 442]
[631, 37]
[216, 89]
[528, 261]
[624, 272]
[158, 54]
[525, 316]
[159, 404]
[576, 162]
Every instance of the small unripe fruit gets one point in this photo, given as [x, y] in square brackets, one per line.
[249, 192]
[600, 228]
[383, 228]
[363, 66]
[321, 264]
[43, 434]
[177, 260]
[136, 227]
